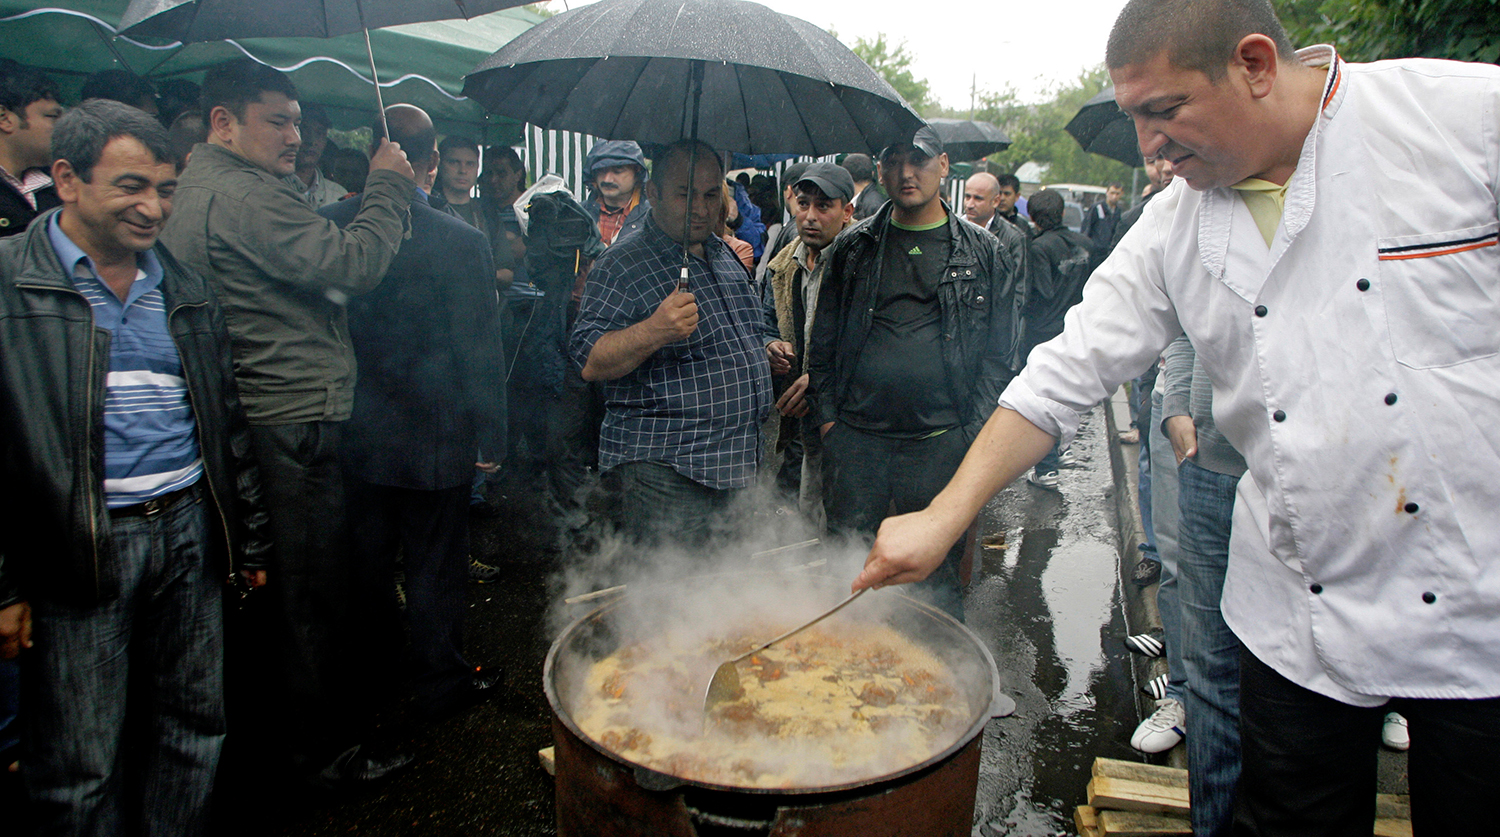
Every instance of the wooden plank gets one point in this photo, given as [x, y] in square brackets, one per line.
[1136, 824]
[1174, 777]
[1086, 820]
[1392, 828]
[1146, 797]
[1392, 806]
[548, 757]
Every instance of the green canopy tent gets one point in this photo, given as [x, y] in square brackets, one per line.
[419, 63]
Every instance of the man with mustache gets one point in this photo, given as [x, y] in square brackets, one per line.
[284, 274]
[132, 492]
[823, 207]
[916, 334]
[1333, 259]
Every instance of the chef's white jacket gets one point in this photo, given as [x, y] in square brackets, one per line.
[1356, 365]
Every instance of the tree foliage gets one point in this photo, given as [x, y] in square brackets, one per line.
[1369, 30]
[893, 62]
[1037, 132]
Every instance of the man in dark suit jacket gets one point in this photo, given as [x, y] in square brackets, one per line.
[430, 392]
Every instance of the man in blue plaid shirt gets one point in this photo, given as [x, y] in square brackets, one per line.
[687, 380]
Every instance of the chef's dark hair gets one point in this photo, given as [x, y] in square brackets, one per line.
[81, 134]
[233, 85]
[1198, 35]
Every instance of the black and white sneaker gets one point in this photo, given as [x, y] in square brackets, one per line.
[1149, 644]
[1156, 687]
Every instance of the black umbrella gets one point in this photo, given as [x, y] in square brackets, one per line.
[735, 74]
[969, 139]
[1102, 128]
[191, 21]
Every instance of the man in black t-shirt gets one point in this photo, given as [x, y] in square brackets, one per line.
[915, 335]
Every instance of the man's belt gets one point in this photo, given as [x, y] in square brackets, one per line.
[157, 505]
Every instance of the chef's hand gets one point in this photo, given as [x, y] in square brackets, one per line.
[793, 402]
[781, 354]
[908, 548]
[390, 157]
[1184, 437]
[15, 630]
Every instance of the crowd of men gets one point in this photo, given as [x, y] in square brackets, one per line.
[224, 367]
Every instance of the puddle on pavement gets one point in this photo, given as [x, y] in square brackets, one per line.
[1047, 599]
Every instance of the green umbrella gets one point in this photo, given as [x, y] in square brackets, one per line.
[420, 63]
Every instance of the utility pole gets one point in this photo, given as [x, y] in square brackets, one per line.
[973, 91]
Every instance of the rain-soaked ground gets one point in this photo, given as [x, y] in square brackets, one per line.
[1045, 596]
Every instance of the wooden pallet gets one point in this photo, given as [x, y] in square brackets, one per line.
[1129, 799]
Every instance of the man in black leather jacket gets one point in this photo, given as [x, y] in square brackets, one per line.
[916, 335]
[132, 492]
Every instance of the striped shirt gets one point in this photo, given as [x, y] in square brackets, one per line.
[150, 439]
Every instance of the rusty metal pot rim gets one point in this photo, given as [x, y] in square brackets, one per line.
[655, 780]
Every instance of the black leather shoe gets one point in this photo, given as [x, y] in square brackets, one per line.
[358, 766]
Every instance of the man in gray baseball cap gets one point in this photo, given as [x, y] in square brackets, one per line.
[823, 206]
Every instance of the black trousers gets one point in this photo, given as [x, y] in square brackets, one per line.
[291, 648]
[1309, 762]
[573, 439]
[866, 477]
[430, 529]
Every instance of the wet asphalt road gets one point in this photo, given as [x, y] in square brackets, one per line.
[1045, 596]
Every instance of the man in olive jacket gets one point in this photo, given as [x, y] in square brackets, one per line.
[132, 494]
[284, 274]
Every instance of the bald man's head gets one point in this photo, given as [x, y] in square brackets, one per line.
[411, 128]
[981, 196]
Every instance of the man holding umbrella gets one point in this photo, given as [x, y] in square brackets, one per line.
[284, 273]
[915, 337]
[687, 381]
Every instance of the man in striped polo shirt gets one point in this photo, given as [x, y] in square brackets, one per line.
[127, 456]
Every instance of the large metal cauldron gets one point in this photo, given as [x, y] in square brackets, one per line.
[600, 793]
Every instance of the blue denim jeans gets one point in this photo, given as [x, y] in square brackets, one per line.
[1211, 651]
[1163, 530]
[91, 766]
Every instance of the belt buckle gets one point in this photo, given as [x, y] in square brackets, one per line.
[156, 505]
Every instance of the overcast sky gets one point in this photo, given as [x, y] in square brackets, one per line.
[1026, 44]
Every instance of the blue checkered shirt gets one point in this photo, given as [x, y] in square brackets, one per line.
[695, 405]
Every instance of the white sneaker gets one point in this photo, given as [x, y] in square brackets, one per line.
[1048, 480]
[1067, 458]
[1162, 730]
[1394, 734]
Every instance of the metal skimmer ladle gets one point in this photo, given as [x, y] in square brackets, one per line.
[725, 685]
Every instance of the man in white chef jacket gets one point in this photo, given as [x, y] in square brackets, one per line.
[1330, 249]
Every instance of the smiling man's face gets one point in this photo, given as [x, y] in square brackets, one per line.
[1203, 128]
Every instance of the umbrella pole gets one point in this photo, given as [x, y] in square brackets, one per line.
[379, 100]
[695, 92]
[374, 74]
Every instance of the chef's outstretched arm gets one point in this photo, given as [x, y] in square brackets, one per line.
[910, 546]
